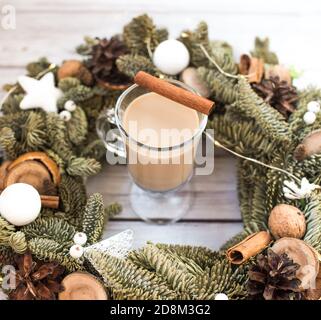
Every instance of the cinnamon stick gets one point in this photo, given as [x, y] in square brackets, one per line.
[249, 247]
[252, 67]
[50, 201]
[174, 93]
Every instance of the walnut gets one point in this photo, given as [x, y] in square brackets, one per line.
[75, 68]
[287, 221]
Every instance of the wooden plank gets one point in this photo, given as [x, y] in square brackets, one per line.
[212, 235]
[55, 35]
[186, 6]
[215, 195]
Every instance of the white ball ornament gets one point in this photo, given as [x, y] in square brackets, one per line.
[171, 57]
[20, 204]
[221, 296]
[65, 115]
[76, 251]
[70, 106]
[313, 106]
[309, 117]
[80, 238]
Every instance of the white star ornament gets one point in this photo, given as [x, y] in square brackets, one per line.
[40, 93]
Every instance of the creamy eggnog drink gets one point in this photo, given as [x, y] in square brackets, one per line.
[164, 129]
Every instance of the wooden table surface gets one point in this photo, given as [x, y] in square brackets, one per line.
[54, 28]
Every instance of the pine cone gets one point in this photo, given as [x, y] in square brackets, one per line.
[36, 280]
[274, 278]
[279, 94]
[102, 63]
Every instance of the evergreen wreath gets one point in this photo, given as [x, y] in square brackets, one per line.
[160, 271]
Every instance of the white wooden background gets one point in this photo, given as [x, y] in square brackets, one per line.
[53, 28]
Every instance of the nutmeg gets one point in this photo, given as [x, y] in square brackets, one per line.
[75, 68]
[287, 221]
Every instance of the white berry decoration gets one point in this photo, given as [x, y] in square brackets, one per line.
[313, 106]
[20, 204]
[70, 106]
[309, 117]
[80, 238]
[171, 57]
[76, 251]
[65, 115]
[221, 296]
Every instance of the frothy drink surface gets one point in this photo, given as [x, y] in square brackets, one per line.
[156, 121]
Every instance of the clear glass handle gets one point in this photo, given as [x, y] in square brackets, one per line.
[110, 135]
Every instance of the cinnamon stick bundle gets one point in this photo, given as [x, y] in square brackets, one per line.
[249, 247]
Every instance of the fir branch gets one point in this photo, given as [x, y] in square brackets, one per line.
[179, 276]
[68, 83]
[312, 214]
[298, 127]
[9, 237]
[94, 106]
[113, 210]
[77, 127]
[33, 135]
[193, 40]
[77, 94]
[50, 250]
[85, 49]
[8, 143]
[163, 272]
[222, 88]
[83, 167]
[204, 257]
[94, 148]
[130, 64]
[51, 228]
[141, 35]
[269, 120]
[222, 278]
[262, 50]
[58, 137]
[6, 256]
[55, 157]
[241, 137]
[34, 68]
[94, 218]
[73, 198]
[128, 281]
[12, 104]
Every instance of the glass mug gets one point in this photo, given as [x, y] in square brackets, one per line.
[160, 192]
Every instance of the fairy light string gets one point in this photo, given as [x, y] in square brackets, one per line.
[218, 144]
